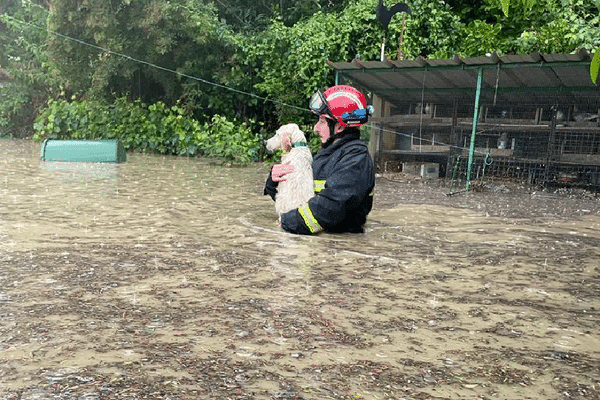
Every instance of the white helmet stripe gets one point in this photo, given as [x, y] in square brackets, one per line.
[351, 96]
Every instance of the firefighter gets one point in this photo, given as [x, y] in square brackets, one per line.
[344, 176]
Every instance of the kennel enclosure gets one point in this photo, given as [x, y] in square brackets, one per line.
[530, 117]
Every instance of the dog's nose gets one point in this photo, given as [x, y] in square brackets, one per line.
[270, 144]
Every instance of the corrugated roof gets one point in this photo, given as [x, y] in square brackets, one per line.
[543, 78]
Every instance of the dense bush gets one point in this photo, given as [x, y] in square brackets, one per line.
[156, 128]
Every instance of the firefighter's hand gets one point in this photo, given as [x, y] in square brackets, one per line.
[279, 171]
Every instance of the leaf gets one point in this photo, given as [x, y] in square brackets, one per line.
[595, 67]
[505, 5]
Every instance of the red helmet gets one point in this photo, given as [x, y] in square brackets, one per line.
[343, 103]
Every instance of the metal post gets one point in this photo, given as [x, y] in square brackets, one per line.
[551, 145]
[474, 131]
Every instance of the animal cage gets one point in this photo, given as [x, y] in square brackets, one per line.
[530, 118]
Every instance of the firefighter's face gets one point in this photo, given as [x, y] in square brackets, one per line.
[322, 128]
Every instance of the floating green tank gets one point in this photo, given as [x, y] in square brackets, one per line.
[103, 151]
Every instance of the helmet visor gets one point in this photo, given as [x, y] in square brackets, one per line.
[318, 104]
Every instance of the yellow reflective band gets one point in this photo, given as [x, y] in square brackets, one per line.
[309, 219]
[372, 194]
[319, 185]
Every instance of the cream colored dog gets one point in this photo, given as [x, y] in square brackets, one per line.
[298, 185]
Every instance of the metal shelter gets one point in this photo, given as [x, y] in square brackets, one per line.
[532, 116]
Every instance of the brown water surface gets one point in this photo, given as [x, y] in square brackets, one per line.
[167, 278]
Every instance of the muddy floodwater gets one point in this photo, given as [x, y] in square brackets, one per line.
[167, 278]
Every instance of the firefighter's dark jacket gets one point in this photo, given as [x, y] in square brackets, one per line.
[344, 180]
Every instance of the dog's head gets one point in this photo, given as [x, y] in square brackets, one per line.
[285, 137]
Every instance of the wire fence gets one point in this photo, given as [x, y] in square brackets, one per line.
[540, 142]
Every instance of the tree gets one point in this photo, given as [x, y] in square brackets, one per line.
[23, 55]
[141, 48]
[255, 15]
[290, 63]
[547, 26]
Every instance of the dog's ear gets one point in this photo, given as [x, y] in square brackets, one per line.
[298, 134]
[286, 141]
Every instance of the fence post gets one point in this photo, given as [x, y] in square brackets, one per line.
[474, 130]
[551, 145]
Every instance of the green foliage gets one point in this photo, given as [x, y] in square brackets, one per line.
[229, 141]
[279, 51]
[255, 15]
[23, 55]
[156, 128]
[482, 38]
[595, 67]
[573, 24]
[433, 30]
[184, 36]
[290, 63]
[290, 80]
[505, 4]
[546, 26]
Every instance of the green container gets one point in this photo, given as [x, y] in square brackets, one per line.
[103, 151]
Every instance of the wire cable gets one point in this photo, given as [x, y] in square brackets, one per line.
[125, 56]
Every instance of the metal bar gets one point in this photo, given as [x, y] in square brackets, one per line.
[474, 130]
[550, 153]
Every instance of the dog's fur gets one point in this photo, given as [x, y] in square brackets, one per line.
[298, 186]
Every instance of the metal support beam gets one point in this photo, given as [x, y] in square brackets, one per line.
[474, 131]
